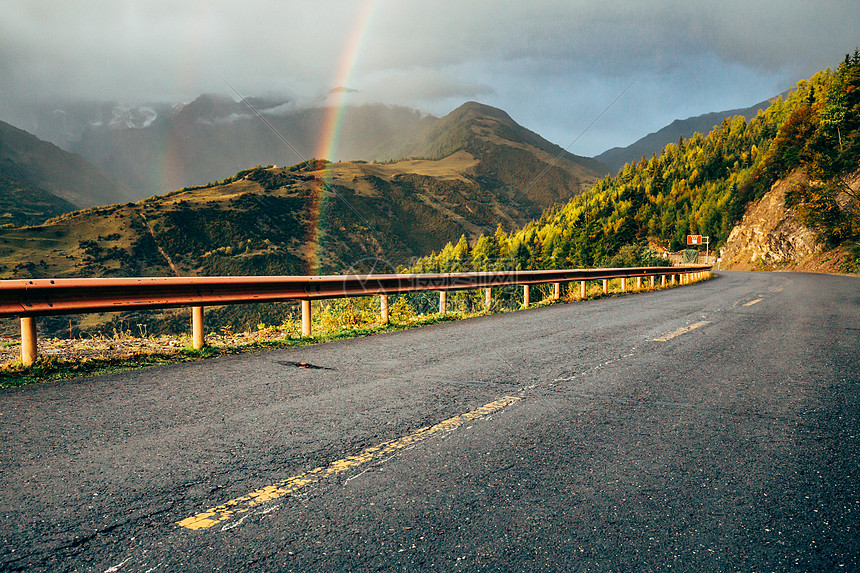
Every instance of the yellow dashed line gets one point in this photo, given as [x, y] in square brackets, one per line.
[681, 331]
[752, 302]
[247, 502]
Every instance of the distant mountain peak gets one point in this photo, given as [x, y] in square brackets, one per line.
[483, 131]
[475, 109]
[209, 107]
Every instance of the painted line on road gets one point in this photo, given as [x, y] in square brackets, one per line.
[681, 331]
[247, 502]
[752, 302]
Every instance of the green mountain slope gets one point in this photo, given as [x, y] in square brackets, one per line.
[652, 143]
[22, 203]
[30, 166]
[313, 217]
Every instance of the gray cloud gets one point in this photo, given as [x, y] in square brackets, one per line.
[426, 88]
[552, 65]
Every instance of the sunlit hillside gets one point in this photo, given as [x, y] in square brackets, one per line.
[704, 184]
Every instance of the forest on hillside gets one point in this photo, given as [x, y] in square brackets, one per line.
[700, 185]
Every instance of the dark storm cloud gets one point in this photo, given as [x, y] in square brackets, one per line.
[552, 65]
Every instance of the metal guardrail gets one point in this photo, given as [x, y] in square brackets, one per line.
[30, 298]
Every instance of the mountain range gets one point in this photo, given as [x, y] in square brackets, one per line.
[153, 149]
[319, 216]
[156, 148]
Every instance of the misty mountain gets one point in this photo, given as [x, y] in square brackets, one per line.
[154, 149]
[39, 180]
[158, 148]
[653, 143]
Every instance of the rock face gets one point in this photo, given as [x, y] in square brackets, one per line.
[770, 235]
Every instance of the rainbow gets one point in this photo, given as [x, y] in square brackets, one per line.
[332, 124]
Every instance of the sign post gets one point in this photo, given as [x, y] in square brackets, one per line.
[700, 240]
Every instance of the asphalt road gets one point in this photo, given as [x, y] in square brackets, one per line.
[711, 427]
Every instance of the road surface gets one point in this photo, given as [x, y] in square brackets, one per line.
[711, 427]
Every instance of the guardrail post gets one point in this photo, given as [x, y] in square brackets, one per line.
[662, 280]
[197, 340]
[638, 283]
[443, 302]
[488, 299]
[29, 347]
[623, 284]
[526, 296]
[605, 286]
[653, 281]
[582, 289]
[383, 308]
[673, 279]
[556, 291]
[306, 318]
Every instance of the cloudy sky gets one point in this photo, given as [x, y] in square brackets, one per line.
[553, 65]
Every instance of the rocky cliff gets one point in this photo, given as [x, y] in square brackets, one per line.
[770, 237]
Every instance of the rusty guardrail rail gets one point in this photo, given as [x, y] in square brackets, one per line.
[30, 298]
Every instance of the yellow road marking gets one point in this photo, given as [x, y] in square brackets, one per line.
[752, 302]
[247, 502]
[681, 331]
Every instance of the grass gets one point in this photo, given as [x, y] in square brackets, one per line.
[51, 367]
